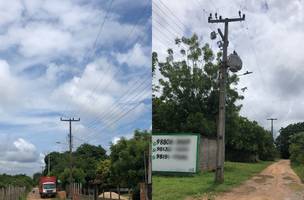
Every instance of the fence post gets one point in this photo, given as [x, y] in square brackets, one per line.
[118, 190]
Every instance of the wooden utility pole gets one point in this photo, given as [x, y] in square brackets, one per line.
[71, 149]
[220, 152]
[272, 119]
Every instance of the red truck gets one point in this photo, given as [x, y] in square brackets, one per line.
[47, 186]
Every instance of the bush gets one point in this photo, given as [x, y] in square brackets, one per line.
[296, 148]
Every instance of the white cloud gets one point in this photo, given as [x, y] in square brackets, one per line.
[45, 47]
[10, 87]
[18, 154]
[10, 11]
[135, 57]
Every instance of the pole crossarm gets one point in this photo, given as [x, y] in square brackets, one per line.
[225, 20]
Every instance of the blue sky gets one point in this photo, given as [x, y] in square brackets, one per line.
[87, 59]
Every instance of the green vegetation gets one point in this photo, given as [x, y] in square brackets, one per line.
[283, 140]
[296, 149]
[124, 166]
[175, 188]
[299, 169]
[187, 101]
[16, 180]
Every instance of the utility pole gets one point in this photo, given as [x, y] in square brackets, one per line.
[220, 152]
[150, 172]
[272, 119]
[49, 164]
[71, 146]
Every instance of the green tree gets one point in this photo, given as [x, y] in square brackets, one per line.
[36, 178]
[186, 98]
[78, 175]
[249, 142]
[87, 157]
[16, 180]
[283, 140]
[59, 161]
[296, 148]
[127, 159]
[103, 172]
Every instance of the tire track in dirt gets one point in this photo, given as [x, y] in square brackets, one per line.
[277, 182]
[34, 195]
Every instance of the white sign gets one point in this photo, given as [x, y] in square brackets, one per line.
[174, 153]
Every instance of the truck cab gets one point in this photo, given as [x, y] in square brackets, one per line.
[47, 186]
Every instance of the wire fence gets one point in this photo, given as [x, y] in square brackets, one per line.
[12, 193]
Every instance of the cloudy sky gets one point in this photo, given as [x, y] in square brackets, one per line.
[72, 58]
[269, 43]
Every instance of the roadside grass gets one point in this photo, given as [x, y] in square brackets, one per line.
[178, 187]
[299, 170]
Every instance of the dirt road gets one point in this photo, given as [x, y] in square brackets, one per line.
[276, 182]
[35, 195]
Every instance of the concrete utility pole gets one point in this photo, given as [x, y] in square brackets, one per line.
[272, 119]
[220, 152]
[71, 148]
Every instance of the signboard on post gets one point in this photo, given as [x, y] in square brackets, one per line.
[175, 152]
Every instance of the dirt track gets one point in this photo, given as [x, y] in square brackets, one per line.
[276, 182]
[35, 196]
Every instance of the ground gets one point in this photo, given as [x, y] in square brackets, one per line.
[36, 196]
[277, 182]
[167, 187]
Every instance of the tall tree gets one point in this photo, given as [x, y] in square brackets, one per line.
[127, 159]
[186, 96]
[283, 140]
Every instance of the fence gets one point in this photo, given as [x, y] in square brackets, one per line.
[81, 193]
[12, 193]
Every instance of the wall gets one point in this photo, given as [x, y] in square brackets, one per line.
[207, 156]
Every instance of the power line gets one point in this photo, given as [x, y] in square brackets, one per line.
[86, 56]
[113, 120]
[100, 29]
[113, 107]
[171, 12]
[115, 73]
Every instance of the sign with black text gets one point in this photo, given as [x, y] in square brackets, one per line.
[175, 152]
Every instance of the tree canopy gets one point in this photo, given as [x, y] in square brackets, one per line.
[21, 180]
[185, 99]
[188, 89]
[283, 140]
[85, 160]
[296, 148]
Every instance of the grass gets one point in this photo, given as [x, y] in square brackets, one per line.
[178, 188]
[299, 170]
